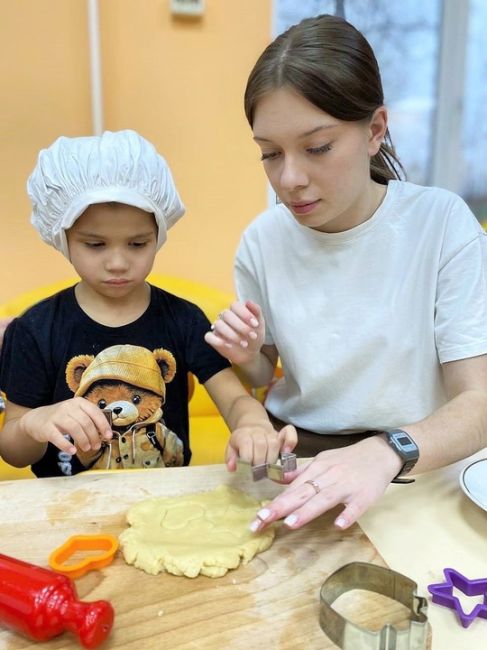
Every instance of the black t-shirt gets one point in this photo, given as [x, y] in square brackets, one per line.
[38, 345]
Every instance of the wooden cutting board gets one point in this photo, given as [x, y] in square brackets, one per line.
[273, 602]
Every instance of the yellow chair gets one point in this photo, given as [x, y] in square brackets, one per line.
[208, 431]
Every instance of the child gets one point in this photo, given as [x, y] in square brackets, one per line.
[106, 203]
[371, 290]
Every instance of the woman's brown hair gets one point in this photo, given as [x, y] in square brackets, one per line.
[330, 63]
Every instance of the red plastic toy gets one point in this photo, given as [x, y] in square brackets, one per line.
[41, 604]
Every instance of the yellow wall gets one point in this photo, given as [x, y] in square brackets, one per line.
[178, 82]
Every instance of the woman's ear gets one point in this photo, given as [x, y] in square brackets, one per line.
[377, 129]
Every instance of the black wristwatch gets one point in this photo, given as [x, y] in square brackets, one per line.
[407, 449]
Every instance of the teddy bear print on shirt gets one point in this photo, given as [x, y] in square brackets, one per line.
[129, 383]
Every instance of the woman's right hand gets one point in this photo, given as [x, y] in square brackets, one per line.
[238, 333]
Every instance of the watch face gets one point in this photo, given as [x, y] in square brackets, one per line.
[406, 443]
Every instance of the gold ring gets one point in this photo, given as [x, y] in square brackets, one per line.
[314, 485]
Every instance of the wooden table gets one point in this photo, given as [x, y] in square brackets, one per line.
[273, 602]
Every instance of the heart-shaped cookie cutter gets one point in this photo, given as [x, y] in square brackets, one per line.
[106, 544]
[381, 580]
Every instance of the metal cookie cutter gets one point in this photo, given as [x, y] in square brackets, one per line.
[275, 471]
[108, 413]
[442, 594]
[107, 546]
[361, 575]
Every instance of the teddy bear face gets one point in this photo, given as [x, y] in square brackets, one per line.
[128, 404]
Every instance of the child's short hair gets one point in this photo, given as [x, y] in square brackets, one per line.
[121, 166]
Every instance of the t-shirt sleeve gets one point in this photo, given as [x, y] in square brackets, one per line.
[461, 300]
[23, 372]
[461, 304]
[203, 361]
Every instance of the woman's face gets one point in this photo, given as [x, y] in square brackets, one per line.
[319, 166]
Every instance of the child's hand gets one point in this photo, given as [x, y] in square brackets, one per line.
[259, 444]
[76, 417]
[238, 333]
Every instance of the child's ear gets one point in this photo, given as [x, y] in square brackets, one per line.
[377, 129]
[167, 364]
[75, 368]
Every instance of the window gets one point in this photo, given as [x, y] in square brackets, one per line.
[474, 133]
[434, 70]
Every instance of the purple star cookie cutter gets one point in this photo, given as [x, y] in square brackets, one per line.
[442, 594]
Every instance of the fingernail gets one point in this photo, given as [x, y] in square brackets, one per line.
[254, 526]
[253, 335]
[264, 514]
[212, 328]
[228, 345]
[244, 344]
[254, 322]
[340, 522]
[291, 520]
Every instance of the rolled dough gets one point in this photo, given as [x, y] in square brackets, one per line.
[205, 533]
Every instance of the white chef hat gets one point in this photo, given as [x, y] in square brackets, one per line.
[121, 166]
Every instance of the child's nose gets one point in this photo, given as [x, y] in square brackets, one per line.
[116, 261]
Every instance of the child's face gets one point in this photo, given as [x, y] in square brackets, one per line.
[112, 248]
[318, 166]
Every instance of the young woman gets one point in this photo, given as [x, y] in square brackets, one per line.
[371, 291]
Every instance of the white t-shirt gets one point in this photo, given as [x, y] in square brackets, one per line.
[362, 319]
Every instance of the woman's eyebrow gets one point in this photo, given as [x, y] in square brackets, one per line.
[302, 135]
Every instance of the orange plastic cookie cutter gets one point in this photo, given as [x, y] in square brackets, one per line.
[106, 544]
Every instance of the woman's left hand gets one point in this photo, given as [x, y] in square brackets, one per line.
[355, 476]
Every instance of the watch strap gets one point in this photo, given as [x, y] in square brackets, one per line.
[400, 479]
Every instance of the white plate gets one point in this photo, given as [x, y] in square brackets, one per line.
[473, 481]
